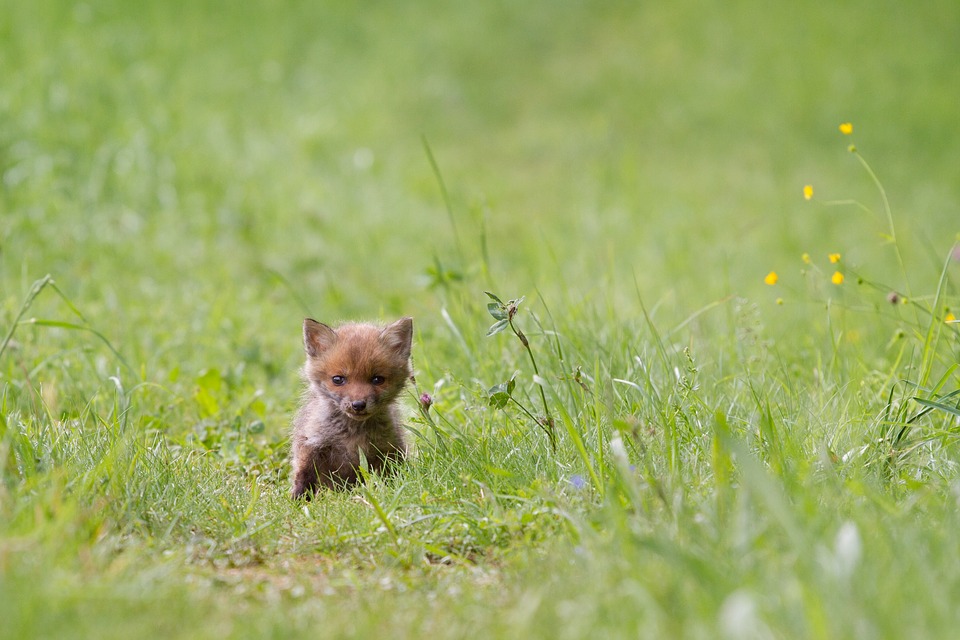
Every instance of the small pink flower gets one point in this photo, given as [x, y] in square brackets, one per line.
[426, 401]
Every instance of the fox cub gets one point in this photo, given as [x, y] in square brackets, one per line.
[354, 374]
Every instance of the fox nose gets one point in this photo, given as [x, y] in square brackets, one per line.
[359, 405]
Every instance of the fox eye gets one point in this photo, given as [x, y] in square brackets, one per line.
[338, 380]
[377, 380]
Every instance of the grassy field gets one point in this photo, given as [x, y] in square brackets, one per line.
[183, 182]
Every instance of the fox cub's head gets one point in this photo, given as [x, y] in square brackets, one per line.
[361, 368]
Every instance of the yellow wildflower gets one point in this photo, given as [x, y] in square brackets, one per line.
[771, 278]
[837, 278]
[834, 258]
[846, 128]
[806, 258]
[950, 318]
[807, 191]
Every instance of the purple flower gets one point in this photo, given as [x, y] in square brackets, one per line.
[578, 481]
[425, 401]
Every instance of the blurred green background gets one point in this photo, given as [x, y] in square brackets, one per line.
[159, 156]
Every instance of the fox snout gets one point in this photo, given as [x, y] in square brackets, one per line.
[358, 407]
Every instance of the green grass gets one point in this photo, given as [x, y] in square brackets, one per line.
[732, 459]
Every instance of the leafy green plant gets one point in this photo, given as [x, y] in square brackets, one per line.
[500, 394]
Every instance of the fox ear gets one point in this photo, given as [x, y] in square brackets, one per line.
[399, 336]
[317, 337]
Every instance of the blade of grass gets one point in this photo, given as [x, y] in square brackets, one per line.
[445, 195]
[933, 330]
[59, 324]
[34, 291]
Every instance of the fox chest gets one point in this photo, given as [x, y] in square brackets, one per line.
[374, 449]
